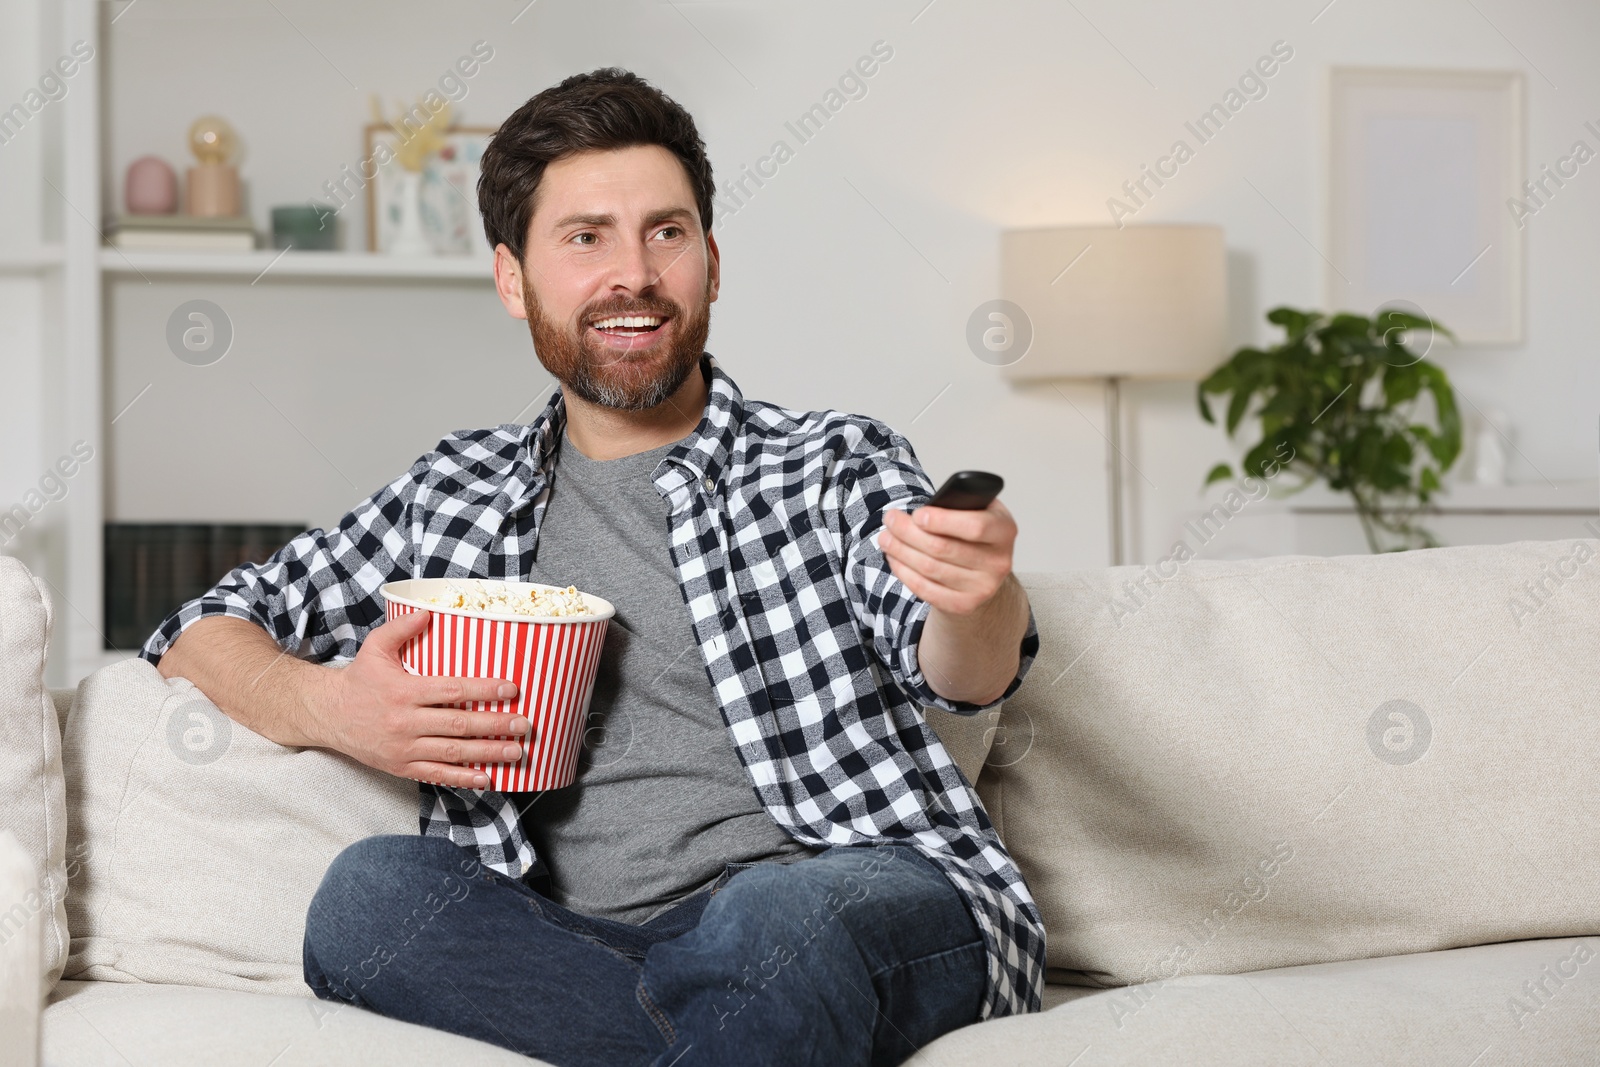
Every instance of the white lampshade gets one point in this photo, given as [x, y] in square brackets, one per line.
[1135, 302]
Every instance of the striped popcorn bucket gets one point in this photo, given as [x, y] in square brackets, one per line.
[553, 662]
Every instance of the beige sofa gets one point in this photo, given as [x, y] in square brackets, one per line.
[1280, 811]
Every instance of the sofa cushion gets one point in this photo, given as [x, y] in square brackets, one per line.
[90, 1024]
[1228, 766]
[1472, 1007]
[968, 738]
[62, 700]
[30, 766]
[203, 841]
[20, 941]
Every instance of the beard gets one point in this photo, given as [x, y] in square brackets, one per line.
[626, 381]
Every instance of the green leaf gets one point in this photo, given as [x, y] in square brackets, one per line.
[1222, 379]
[1347, 326]
[1295, 323]
[1289, 319]
[1236, 406]
[1261, 459]
[1248, 362]
[1220, 472]
[1250, 374]
[1387, 320]
[1388, 478]
[1284, 402]
[1401, 384]
[1444, 400]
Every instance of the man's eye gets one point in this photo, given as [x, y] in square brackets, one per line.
[583, 235]
[670, 231]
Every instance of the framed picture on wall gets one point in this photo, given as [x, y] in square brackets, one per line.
[1424, 170]
[447, 197]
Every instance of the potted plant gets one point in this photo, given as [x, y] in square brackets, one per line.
[1339, 397]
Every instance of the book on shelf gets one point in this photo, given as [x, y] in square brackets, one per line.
[151, 569]
[182, 233]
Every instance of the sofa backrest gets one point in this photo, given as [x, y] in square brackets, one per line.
[1216, 767]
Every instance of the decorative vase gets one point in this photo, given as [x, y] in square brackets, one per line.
[151, 187]
[1489, 461]
[409, 238]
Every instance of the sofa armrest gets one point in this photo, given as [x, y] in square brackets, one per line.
[22, 917]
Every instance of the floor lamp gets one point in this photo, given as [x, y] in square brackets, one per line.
[1110, 303]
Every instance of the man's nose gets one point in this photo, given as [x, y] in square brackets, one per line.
[632, 268]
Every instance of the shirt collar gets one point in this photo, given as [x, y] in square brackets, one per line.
[704, 453]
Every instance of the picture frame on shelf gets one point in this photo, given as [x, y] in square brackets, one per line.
[447, 197]
[1424, 168]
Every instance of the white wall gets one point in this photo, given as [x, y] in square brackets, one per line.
[849, 277]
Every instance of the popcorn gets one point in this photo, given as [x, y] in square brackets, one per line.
[501, 599]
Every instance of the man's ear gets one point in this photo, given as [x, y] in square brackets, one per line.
[715, 265]
[508, 281]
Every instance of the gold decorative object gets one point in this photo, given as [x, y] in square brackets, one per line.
[213, 185]
[418, 141]
[212, 139]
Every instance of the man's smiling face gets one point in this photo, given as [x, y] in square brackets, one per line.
[618, 277]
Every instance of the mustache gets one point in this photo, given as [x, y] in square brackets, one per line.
[664, 309]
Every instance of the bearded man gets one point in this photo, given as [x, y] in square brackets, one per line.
[766, 856]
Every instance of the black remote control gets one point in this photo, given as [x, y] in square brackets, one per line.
[968, 491]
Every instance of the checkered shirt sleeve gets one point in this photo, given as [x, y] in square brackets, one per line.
[888, 614]
[317, 596]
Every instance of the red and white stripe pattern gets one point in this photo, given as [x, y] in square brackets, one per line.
[553, 665]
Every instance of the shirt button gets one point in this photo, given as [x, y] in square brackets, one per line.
[710, 485]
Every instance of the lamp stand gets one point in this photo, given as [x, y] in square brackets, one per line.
[1114, 465]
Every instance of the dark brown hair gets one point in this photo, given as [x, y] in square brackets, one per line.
[604, 109]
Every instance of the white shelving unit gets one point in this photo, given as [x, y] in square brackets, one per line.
[268, 265]
[31, 261]
[84, 266]
[81, 403]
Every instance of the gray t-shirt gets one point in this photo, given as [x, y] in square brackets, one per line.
[661, 800]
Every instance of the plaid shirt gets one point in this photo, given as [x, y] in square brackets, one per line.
[808, 638]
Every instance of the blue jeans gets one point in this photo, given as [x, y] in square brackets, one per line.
[857, 955]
